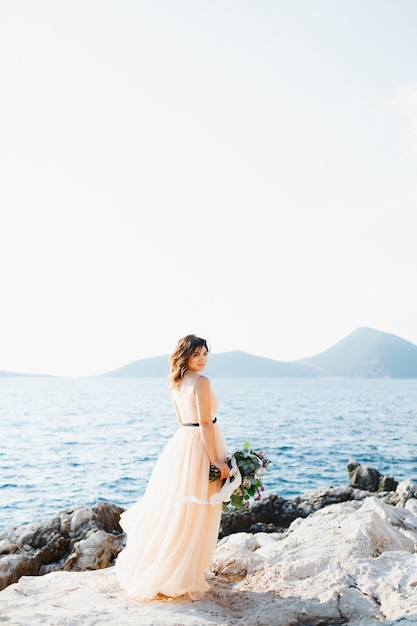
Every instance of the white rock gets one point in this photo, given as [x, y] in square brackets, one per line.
[354, 561]
[411, 505]
[406, 489]
[94, 552]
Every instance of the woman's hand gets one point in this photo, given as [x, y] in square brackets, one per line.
[223, 468]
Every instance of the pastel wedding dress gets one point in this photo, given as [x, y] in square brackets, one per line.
[173, 530]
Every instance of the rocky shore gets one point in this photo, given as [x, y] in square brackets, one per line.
[334, 555]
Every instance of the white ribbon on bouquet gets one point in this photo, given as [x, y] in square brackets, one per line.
[230, 485]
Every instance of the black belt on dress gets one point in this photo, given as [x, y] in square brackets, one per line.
[193, 424]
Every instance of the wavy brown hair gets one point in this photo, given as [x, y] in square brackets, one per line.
[179, 358]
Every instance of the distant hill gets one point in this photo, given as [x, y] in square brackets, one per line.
[154, 367]
[241, 364]
[4, 374]
[365, 353]
[234, 364]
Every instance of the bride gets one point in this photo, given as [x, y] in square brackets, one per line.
[172, 532]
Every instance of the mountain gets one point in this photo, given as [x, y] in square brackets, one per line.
[238, 364]
[154, 367]
[4, 374]
[365, 353]
[233, 364]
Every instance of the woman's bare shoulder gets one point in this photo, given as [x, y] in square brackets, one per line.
[202, 383]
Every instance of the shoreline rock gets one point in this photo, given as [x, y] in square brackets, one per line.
[275, 514]
[90, 538]
[349, 563]
[87, 537]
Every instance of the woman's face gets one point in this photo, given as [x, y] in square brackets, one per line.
[198, 360]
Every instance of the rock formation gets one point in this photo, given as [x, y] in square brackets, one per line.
[274, 513]
[348, 563]
[87, 537]
[368, 478]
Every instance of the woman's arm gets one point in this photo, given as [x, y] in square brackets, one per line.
[203, 400]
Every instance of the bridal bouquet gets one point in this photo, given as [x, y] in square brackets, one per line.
[251, 465]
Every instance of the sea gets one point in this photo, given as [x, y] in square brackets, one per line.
[67, 442]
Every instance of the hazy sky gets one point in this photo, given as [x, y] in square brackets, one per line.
[242, 170]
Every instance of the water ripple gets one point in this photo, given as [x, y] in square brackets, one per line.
[71, 442]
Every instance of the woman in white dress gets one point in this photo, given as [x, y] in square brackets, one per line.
[172, 532]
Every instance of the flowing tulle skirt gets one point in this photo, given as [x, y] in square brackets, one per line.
[170, 539]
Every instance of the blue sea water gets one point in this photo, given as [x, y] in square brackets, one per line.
[68, 442]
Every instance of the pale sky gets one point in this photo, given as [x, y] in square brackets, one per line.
[242, 170]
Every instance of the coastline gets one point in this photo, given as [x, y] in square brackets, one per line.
[337, 555]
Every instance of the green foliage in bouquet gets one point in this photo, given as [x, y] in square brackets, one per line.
[251, 465]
